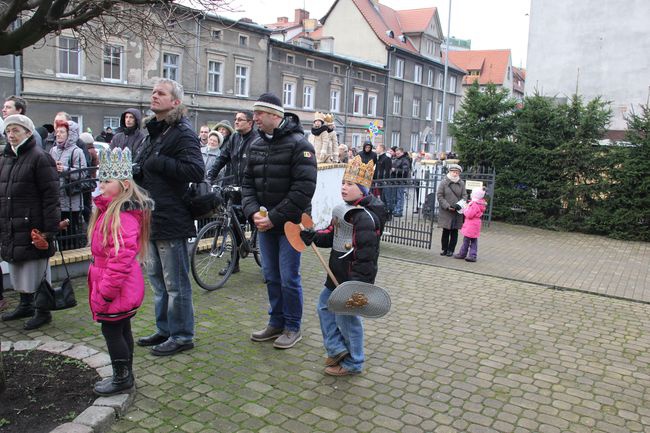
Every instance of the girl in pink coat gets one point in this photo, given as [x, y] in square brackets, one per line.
[118, 232]
[471, 229]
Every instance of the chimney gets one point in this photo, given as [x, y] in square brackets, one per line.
[300, 15]
[283, 20]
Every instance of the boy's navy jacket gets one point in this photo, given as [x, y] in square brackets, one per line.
[361, 264]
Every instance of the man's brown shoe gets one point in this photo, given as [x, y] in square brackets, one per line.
[331, 361]
[337, 370]
[266, 334]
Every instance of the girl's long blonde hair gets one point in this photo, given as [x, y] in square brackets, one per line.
[111, 223]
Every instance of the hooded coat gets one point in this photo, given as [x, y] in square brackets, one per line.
[170, 158]
[115, 282]
[361, 263]
[72, 158]
[281, 174]
[367, 154]
[29, 199]
[129, 137]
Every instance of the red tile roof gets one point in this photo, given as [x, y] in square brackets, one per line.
[416, 20]
[492, 65]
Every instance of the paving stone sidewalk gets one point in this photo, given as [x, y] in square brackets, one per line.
[459, 352]
[588, 263]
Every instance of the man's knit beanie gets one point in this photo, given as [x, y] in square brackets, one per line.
[269, 103]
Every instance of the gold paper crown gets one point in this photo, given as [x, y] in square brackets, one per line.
[329, 118]
[358, 172]
[115, 164]
[319, 116]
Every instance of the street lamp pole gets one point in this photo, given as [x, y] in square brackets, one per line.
[443, 132]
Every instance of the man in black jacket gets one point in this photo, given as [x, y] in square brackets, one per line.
[170, 158]
[235, 155]
[279, 183]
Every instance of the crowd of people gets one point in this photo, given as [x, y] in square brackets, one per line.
[141, 216]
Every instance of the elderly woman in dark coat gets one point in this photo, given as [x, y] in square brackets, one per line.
[450, 192]
[29, 199]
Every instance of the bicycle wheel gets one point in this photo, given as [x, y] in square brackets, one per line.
[255, 247]
[213, 254]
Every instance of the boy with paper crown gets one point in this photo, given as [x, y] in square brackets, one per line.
[353, 235]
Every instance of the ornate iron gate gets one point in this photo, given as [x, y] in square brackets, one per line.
[413, 207]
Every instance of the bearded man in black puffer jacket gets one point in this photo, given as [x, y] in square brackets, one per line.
[279, 183]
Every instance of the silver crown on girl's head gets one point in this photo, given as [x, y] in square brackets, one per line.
[115, 164]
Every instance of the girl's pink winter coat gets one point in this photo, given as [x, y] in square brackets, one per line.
[116, 284]
[472, 225]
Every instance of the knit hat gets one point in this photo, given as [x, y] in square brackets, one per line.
[20, 120]
[115, 164]
[226, 124]
[269, 103]
[86, 138]
[217, 134]
[451, 167]
[478, 193]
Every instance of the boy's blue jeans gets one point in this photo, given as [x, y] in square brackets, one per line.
[341, 333]
[168, 272]
[281, 267]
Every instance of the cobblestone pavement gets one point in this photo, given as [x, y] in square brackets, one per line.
[567, 260]
[459, 352]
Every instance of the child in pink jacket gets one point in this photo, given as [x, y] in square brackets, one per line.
[471, 229]
[118, 232]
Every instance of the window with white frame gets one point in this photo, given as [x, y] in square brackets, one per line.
[243, 40]
[310, 63]
[450, 142]
[397, 104]
[430, 78]
[416, 108]
[356, 141]
[452, 84]
[69, 56]
[289, 94]
[439, 112]
[335, 100]
[399, 68]
[78, 119]
[291, 59]
[171, 64]
[215, 76]
[241, 80]
[357, 103]
[336, 69]
[417, 74]
[113, 58]
[415, 141]
[429, 45]
[372, 104]
[217, 35]
[308, 97]
[373, 78]
[429, 109]
[451, 113]
[394, 139]
[441, 79]
[112, 122]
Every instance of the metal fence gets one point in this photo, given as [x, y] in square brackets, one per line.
[412, 205]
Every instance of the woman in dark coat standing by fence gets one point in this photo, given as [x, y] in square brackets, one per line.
[450, 191]
[29, 199]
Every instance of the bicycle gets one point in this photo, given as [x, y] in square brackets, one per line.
[214, 252]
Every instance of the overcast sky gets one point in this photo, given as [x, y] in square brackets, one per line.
[490, 24]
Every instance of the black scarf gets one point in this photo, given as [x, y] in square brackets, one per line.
[319, 131]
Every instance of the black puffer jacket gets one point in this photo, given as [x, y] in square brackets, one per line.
[169, 160]
[361, 264]
[234, 153]
[29, 199]
[281, 174]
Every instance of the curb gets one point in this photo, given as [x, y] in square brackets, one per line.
[104, 411]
